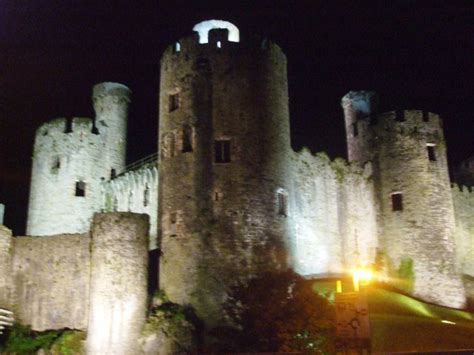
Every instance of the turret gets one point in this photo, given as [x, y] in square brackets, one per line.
[111, 109]
[69, 161]
[358, 106]
[416, 213]
[224, 135]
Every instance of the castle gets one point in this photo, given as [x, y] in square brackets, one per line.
[227, 198]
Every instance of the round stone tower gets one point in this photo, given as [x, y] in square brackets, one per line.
[224, 147]
[416, 213]
[111, 102]
[358, 107]
[69, 160]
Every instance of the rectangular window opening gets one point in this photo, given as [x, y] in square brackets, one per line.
[282, 204]
[397, 201]
[431, 152]
[173, 102]
[355, 130]
[222, 151]
[80, 189]
[187, 139]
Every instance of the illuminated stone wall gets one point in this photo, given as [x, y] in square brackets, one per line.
[219, 221]
[118, 283]
[6, 284]
[334, 214]
[135, 191]
[68, 153]
[409, 158]
[51, 280]
[463, 198]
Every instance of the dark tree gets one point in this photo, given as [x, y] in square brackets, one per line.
[277, 312]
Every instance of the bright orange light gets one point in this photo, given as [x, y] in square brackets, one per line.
[361, 276]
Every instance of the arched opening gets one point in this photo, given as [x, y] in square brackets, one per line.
[203, 28]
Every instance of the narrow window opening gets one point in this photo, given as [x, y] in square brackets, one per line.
[173, 224]
[282, 203]
[222, 151]
[80, 189]
[115, 207]
[173, 102]
[426, 116]
[431, 152]
[113, 173]
[187, 139]
[218, 196]
[56, 165]
[146, 196]
[219, 44]
[397, 201]
[68, 128]
[177, 47]
[355, 130]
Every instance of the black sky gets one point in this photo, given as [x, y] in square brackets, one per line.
[415, 54]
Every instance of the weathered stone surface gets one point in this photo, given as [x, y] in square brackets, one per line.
[6, 281]
[51, 281]
[135, 191]
[66, 153]
[118, 283]
[219, 222]
[408, 153]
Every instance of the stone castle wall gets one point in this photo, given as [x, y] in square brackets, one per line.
[135, 191]
[463, 198]
[61, 160]
[334, 214]
[224, 158]
[51, 280]
[69, 160]
[118, 283]
[410, 164]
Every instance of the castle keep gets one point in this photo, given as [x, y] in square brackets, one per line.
[227, 198]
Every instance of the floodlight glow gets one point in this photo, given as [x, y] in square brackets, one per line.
[447, 321]
[361, 276]
[203, 28]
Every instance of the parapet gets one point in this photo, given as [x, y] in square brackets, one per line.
[111, 89]
[408, 122]
[217, 36]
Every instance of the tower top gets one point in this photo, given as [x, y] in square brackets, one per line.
[203, 28]
[110, 89]
[362, 101]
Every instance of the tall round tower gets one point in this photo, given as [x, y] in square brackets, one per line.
[416, 213]
[358, 107]
[69, 161]
[224, 164]
[111, 102]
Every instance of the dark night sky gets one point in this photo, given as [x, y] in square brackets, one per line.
[415, 54]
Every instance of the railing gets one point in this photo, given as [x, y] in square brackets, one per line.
[6, 319]
[148, 160]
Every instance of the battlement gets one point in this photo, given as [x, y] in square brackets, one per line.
[407, 122]
[110, 89]
[462, 189]
[58, 126]
[219, 40]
